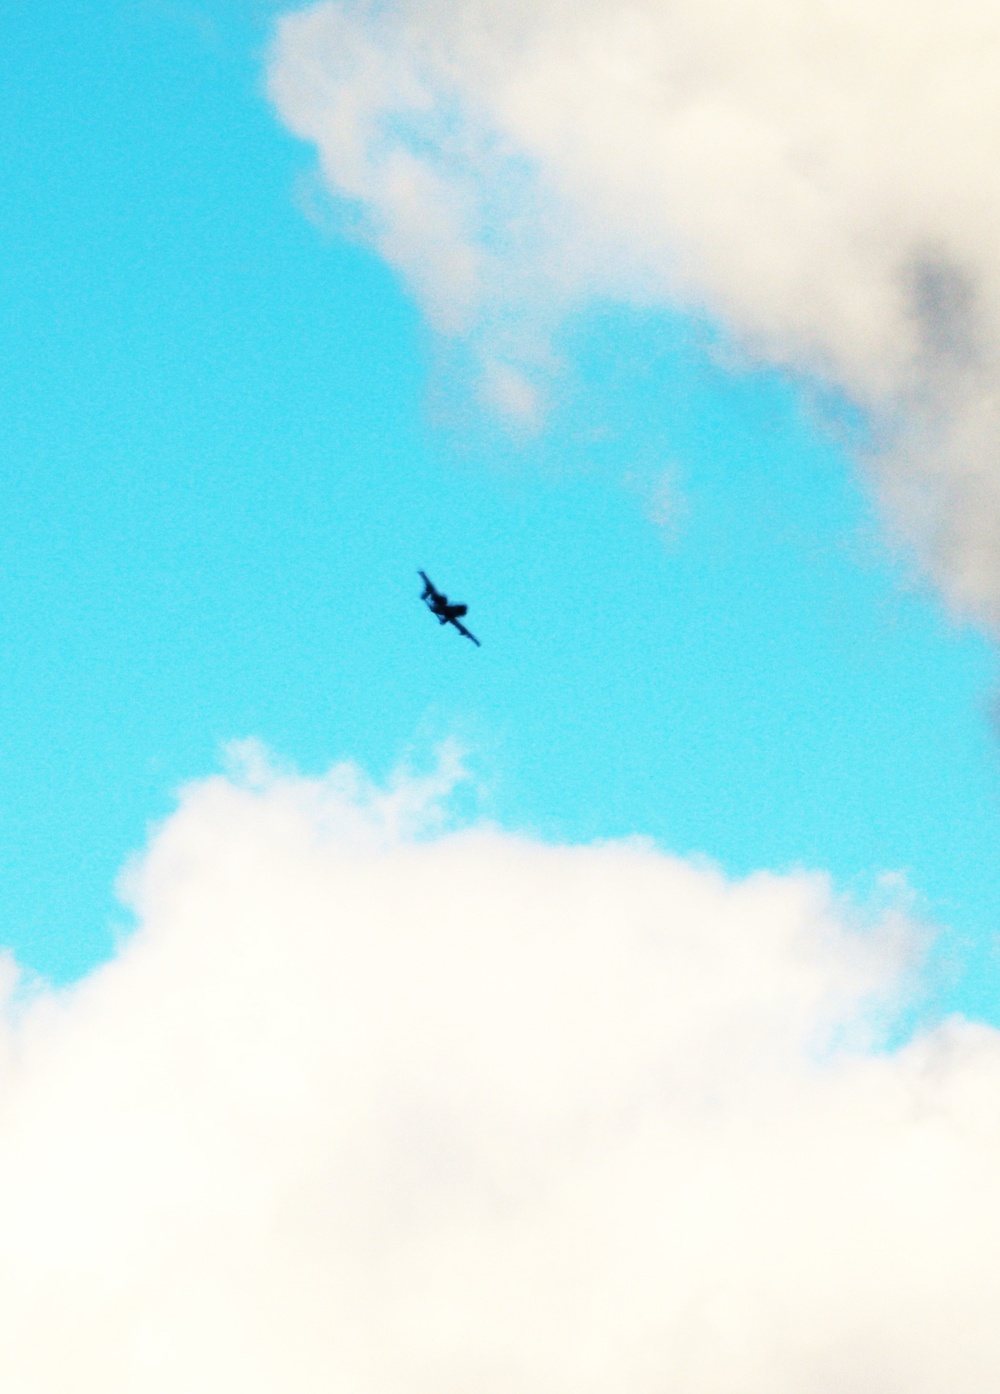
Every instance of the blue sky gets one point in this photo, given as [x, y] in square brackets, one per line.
[666, 336]
[230, 439]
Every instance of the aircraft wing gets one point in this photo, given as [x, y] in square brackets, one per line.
[468, 634]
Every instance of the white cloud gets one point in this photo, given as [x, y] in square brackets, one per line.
[820, 176]
[370, 1109]
[666, 506]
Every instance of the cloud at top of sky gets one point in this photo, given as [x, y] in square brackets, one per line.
[366, 1106]
[818, 177]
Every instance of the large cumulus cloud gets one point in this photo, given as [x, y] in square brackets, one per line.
[365, 1107]
[821, 176]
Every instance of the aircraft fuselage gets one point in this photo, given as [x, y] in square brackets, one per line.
[437, 602]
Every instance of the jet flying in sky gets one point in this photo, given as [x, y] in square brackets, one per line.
[437, 603]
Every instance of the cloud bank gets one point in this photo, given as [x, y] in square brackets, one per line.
[365, 1107]
[820, 177]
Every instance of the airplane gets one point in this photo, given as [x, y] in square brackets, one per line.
[438, 605]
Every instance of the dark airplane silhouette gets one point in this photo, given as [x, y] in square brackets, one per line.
[438, 605]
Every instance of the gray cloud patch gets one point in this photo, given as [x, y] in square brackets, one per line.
[946, 307]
